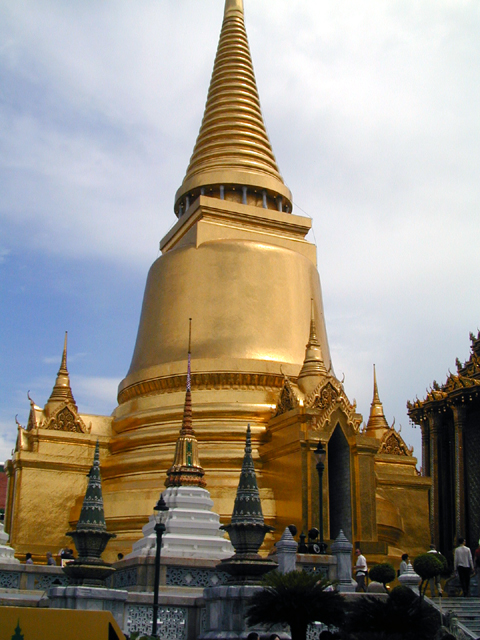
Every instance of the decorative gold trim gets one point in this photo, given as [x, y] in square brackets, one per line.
[201, 381]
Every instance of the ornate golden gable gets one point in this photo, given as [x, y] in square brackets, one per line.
[326, 399]
[393, 444]
[323, 396]
[288, 398]
[65, 418]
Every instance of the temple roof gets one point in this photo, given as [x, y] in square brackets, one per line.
[466, 382]
[232, 147]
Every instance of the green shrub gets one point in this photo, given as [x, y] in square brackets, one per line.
[402, 596]
[383, 573]
[427, 565]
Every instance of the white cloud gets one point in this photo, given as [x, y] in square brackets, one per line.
[95, 395]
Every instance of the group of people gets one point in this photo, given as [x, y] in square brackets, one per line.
[64, 554]
[465, 566]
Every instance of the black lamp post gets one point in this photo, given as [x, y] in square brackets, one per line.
[160, 513]
[320, 455]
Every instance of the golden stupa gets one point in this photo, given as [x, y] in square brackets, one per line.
[238, 263]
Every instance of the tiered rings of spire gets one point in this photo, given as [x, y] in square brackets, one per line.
[233, 157]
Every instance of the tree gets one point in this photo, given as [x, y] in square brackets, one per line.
[383, 572]
[297, 599]
[427, 565]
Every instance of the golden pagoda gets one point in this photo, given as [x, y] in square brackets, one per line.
[236, 261]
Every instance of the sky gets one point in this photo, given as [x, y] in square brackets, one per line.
[372, 110]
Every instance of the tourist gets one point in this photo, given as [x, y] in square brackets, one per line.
[463, 565]
[403, 565]
[477, 566]
[28, 558]
[435, 582]
[253, 635]
[50, 559]
[360, 571]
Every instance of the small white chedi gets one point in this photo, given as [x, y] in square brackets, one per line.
[6, 553]
[192, 530]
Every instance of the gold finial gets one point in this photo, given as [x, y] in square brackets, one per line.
[313, 366]
[313, 329]
[232, 151]
[233, 5]
[63, 364]
[376, 397]
[377, 422]
[62, 391]
[186, 468]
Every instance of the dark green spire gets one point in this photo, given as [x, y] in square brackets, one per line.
[247, 508]
[92, 517]
[18, 635]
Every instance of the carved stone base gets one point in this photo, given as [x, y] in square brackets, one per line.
[247, 568]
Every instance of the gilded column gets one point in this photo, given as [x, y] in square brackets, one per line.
[459, 415]
[434, 421]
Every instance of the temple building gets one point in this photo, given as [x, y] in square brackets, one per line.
[449, 418]
[237, 262]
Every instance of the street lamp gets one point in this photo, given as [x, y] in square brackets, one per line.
[160, 511]
[320, 455]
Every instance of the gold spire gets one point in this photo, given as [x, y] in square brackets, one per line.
[233, 156]
[62, 391]
[186, 468]
[313, 366]
[377, 422]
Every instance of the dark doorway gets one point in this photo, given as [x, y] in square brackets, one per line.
[340, 498]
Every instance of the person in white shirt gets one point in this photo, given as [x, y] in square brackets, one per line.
[360, 571]
[403, 565]
[464, 565]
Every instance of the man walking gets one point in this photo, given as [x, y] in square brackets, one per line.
[463, 565]
[360, 571]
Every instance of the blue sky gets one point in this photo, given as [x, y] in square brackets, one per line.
[372, 110]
